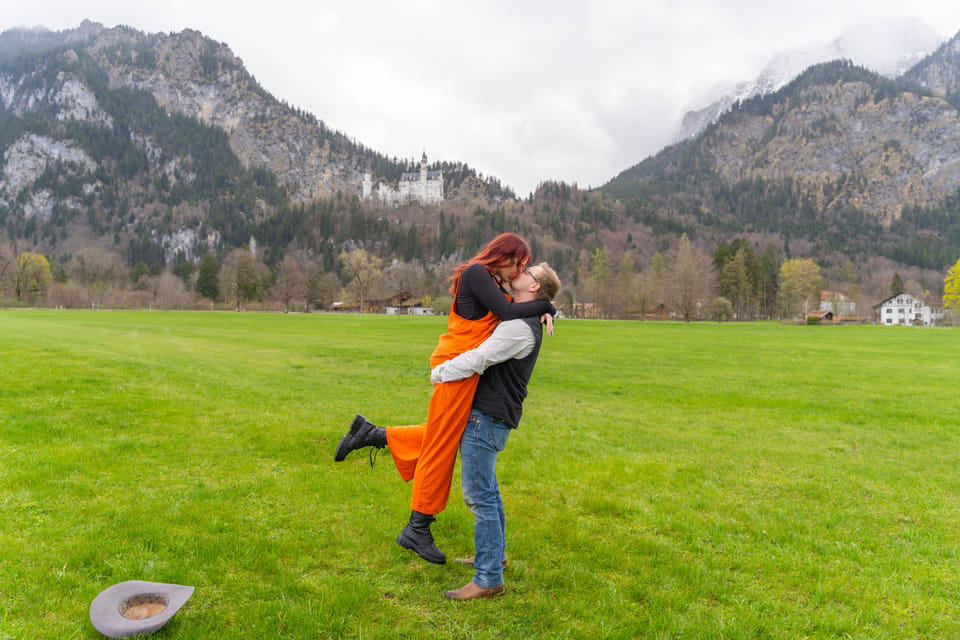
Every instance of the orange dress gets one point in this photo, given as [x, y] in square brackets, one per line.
[427, 453]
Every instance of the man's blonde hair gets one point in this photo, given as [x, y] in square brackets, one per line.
[549, 282]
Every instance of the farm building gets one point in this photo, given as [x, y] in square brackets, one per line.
[838, 303]
[908, 310]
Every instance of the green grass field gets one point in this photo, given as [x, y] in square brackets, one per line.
[668, 480]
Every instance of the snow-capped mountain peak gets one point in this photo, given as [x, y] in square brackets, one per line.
[887, 48]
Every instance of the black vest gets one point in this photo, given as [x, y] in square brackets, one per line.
[503, 386]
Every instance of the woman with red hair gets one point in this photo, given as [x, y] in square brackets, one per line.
[427, 453]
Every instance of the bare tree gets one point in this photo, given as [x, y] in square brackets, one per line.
[293, 282]
[625, 299]
[799, 285]
[100, 274]
[720, 309]
[406, 278]
[691, 276]
[322, 289]
[170, 292]
[32, 276]
[587, 290]
[644, 295]
[603, 277]
[7, 265]
[658, 278]
[242, 277]
[852, 279]
[436, 281]
[951, 291]
[363, 270]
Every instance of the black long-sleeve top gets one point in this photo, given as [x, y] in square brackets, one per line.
[479, 293]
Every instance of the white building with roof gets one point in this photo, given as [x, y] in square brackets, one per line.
[907, 310]
[424, 186]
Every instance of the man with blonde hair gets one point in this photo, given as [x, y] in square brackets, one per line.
[505, 361]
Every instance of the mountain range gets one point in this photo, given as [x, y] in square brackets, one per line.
[842, 158]
[162, 146]
[890, 49]
[166, 144]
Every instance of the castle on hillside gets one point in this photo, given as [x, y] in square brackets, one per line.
[425, 187]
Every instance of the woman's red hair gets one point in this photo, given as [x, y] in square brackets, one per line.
[503, 249]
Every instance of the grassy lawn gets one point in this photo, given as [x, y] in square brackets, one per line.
[668, 480]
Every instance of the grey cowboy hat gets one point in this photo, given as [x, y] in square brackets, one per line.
[136, 608]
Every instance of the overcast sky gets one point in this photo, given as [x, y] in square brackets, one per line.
[527, 91]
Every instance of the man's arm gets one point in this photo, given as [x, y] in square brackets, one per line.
[511, 339]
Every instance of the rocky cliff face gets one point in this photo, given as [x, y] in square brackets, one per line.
[26, 160]
[897, 151]
[940, 72]
[191, 75]
[839, 160]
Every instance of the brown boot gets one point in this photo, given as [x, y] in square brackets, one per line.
[472, 591]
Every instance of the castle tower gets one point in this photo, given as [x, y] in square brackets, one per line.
[425, 187]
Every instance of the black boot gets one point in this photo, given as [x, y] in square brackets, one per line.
[417, 537]
[361, 434]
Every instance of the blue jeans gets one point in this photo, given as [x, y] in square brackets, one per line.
[482, 440]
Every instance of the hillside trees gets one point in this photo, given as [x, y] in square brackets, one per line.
[242, 277]
[746, 279]
[583, 279]
[99, 274]
[293, 281]
[645, 292]
[800, 283]
[322, 289]
[7, 261]
[168, 291]
[208, 277]
[153, 165]
[951, 288]
[769, 283]
[658, 273]
[612, 290]
[605, 283]
[896, 285]
[601, 274]
[690, 279]
[686, 282]
[736, 266]
[32, 276]
[609, 279]
[406, 278]
[628, 285]
[738, 286]
[720, 309]
[363, 272]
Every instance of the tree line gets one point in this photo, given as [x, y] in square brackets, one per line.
[685, 282]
